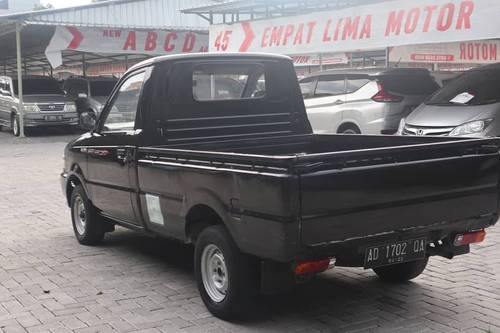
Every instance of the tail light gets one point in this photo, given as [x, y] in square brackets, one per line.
[313, 267]
[469, 238]
[383, 96]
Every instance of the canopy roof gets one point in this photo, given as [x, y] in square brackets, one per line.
[39, 26]
[133, 14]
[235, 11]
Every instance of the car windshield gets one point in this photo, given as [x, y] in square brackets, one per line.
[102, 88]
[474, 88]
[39, 86]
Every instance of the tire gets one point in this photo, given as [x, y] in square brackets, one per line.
[88, 227]
[15, 126]
[349, 129]
[231, 289]
[401, 272]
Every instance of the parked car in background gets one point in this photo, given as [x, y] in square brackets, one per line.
[45, 103]
[90, 94]
[369, 101]
[443, 78]
[467, 106]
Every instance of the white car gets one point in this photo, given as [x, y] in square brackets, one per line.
[369, 101]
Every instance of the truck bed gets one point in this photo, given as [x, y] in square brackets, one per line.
[354, 187]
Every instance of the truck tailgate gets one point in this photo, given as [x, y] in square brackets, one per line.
[358, 194]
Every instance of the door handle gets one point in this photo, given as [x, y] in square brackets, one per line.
[338, 102]
[124, 155]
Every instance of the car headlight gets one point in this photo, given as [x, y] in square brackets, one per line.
[70, 107]
[473, 127]
[29, 108]
[401, 127]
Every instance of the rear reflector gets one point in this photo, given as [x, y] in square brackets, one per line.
[313, 267]
[469, 238]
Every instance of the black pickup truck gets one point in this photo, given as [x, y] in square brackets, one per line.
[217, 151]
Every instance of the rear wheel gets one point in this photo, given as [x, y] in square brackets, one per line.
[227, 279]
[402, 272]
[349, 129]
[88, 227]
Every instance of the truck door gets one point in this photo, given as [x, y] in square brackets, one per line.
[111, 169]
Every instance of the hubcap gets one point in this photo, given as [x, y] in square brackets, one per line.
[214, 273]
[79, 215]
[15, 127]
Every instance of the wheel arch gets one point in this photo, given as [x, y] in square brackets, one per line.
[199, 217]
[75, 178]
[348, 124]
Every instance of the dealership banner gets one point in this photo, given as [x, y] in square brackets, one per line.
[386, 24]
[477, 52]
[123, 41]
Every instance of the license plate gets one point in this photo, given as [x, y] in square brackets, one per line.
[53, 118]
[395, 253]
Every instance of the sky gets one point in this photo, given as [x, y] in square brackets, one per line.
[66, 3]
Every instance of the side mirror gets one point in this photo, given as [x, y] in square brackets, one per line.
[82, 95]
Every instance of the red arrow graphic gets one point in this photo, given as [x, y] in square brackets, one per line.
[249, 36]
[77, 38]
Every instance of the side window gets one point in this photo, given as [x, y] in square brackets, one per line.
[228, 82]
[354, 83]
[330, 85]
[307, 86]
[122, 114]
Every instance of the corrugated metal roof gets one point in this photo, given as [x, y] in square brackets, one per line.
[132, 14]
[274, 6]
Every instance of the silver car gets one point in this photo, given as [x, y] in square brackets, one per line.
[45, 104]
[467, 106]
[370, 101]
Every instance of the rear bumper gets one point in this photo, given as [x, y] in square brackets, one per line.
[351, 252]
[51, 119]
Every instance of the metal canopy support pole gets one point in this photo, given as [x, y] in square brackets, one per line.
[84, 65]
[387, 55]
[19, 79]
[320, 61]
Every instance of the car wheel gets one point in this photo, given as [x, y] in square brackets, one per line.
[349, 130]
[227, 279]
[15, 126]
[88, 227]
[401, 272]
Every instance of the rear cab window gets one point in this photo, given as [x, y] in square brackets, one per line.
[221, 82]
[479, 87]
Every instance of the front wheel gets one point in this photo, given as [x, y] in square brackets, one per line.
[402, 272]
[15, 126]
[227, 279]
[88, 227]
